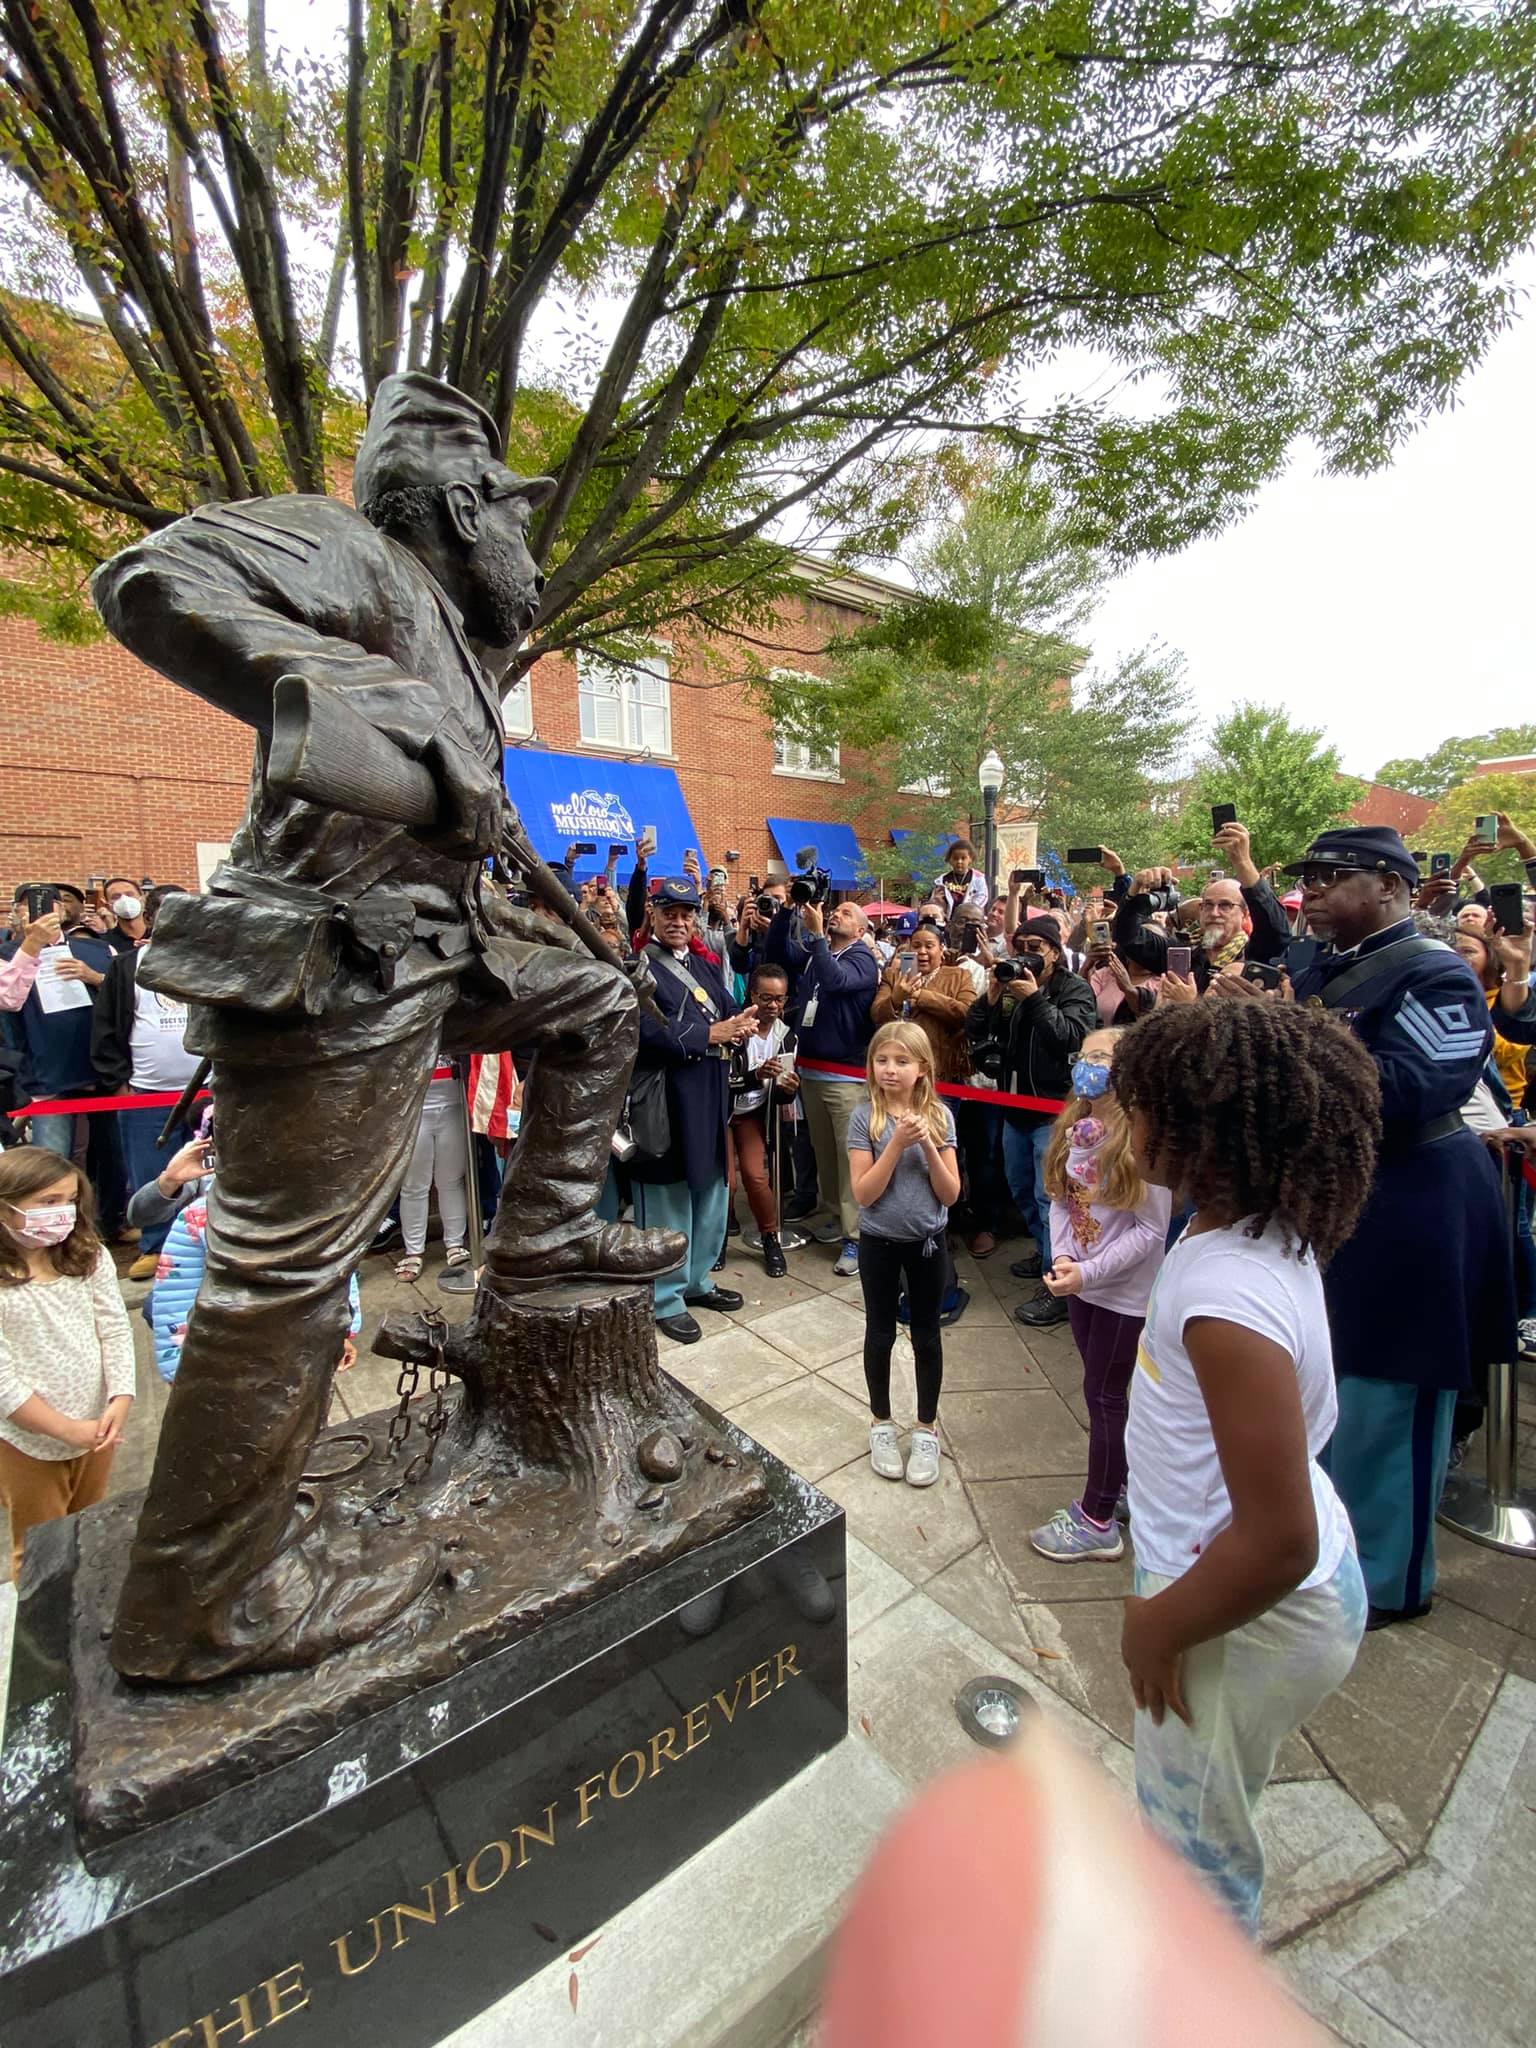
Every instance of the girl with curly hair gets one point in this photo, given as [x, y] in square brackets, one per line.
[1108, 1228]
[66, 1352]
[901, 1160]
[1249, 1604]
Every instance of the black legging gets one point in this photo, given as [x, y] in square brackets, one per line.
[882, 1263]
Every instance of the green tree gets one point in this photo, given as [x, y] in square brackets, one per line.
[1286, 784]
[743, 272]
[1436, 773]
[985, 657]
[1450, 825]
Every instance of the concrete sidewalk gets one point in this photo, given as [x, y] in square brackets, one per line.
[1401, 1827]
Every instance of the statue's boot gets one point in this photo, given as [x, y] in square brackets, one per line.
[331, 1587]
[608, 1251]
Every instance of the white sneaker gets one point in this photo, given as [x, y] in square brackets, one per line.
[846, 1264]
[885, 1450]
[922, 1457]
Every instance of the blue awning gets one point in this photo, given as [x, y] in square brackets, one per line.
[561, 797]
[836, 848]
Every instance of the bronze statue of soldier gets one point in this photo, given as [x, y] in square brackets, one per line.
[332, 958]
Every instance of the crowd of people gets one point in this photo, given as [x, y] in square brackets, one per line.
[1208, 1116]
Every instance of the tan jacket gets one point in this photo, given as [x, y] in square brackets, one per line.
[939, 1009]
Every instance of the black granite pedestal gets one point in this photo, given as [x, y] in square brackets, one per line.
[408, 1872]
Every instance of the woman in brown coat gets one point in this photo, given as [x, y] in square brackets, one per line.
[934, 997]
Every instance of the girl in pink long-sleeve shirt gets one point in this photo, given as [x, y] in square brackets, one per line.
[1108, 1230]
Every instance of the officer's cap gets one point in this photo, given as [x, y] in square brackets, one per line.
[422, 431]
[1372, 848]
[678, 890]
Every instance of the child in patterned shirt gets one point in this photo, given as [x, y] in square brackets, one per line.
[1107, 1234]
[66, 1351]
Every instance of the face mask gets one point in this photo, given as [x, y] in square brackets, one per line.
[1083, 1143]
[1090, 1078]
[126, 906]
[43, 1226]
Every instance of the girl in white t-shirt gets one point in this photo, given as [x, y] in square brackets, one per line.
[1249, 1605]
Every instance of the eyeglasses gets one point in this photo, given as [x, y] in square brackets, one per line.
[1320, 878]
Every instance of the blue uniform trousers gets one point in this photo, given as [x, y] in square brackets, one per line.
[1387, 1459]
[700, 1214]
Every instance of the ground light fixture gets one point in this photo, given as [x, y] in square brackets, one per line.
[991, 1709]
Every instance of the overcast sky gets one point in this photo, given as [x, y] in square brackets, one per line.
[1391, 610]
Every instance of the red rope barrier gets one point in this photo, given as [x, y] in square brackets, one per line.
[87, 1105]
[957, 1089]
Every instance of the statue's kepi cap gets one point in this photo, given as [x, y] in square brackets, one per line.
[421, 431]
[1374, 849]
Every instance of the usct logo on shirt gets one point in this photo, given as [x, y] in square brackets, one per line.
[592, 814]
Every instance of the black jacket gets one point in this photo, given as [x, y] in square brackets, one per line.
[1270, 936]
[1039, 1037]
[112, 1025]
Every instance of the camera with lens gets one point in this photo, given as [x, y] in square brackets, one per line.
[768, 907]
[1007, 970]
[812, 884]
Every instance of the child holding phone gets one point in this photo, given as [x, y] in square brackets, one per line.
[1107, 1232]
[902, 1166]
[1249, 1603]
[66, 1351]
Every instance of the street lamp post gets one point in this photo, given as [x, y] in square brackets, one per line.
[990, 776]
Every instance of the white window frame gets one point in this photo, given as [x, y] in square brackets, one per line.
[517, 708]
[796, 758]
[628, 691]
[925, 785]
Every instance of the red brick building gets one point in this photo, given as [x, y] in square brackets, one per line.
[1381, 805]
[111, 769]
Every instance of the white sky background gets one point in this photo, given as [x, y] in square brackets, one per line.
[1391, 611]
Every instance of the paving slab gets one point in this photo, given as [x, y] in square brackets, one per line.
[903, 1675]
[813, 1427]
[813, 1333]
[730, 1368]
[1490, 1582]
[873, 1586]
[1320, 1850]
[1396, 1731]
[1012, 1435]
[1442, 1956]
[919, 1530]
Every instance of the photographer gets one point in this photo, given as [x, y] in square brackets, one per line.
[1026, 1030]
[834, 973]
[754, 916]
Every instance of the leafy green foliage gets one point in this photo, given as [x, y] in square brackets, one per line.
[749, 275]
[1450, 825]
[1453, 761]
[1286, 784]
[983, 658]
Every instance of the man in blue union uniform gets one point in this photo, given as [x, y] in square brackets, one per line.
[1406, 1341]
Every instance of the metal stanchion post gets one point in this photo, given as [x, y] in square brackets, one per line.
[1495, 1509]
[461, 1279]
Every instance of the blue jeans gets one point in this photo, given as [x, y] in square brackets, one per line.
[143, 1157]
[1024, 1164]
[63, 1135]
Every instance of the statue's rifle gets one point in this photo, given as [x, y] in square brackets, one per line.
[322, 750]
